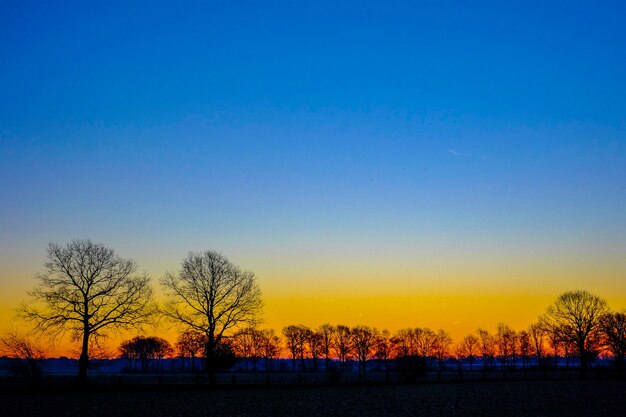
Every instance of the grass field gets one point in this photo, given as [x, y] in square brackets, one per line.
[563, 398]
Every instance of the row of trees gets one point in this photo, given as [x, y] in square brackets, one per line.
[334, 346]
[87, 291]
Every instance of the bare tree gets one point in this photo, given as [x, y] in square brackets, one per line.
[245, 343]
[302, 337]
[470, 348]
[297, 338]
[613, 326]
[190, 345]
[315, 343]
[292, 342]
[536, 334]
[147, 350]
[213, 296]
[403, 343]
[524, 347]
[26, 355]
[342, 344]
[328, 332]
[424, 341]
[87, 290]
[441, 348]
[505, 337]
[363, 339]
[487, 349]
[382, 347]
[460, 351]
[269, 347]
[575, 316]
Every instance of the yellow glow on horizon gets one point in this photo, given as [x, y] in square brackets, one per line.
[458, 296]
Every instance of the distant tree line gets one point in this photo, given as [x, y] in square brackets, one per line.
[87, 291]
[542, 345]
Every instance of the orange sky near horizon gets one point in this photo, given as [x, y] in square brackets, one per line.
[455, 301]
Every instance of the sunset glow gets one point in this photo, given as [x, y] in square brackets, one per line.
[443, 167]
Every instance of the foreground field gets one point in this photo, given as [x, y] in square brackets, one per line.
[567, 398]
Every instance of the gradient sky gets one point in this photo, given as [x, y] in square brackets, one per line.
[388, 163]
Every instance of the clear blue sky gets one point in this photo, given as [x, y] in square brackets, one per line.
[283, 130]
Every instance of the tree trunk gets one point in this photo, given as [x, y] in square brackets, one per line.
[619, 363]
[83, 361]
[583, 360]
[210, 360]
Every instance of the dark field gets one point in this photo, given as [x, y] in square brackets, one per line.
[564, 398]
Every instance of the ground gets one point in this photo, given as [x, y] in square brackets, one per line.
[553, 398]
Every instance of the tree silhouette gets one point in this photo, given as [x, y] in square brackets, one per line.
[86, 290]
[505, 337]
[425, 342]
[343, 344]
[295, 340]
[146, 350]
[613, 327]
[487, 349]
[213, 296]
[575, 319]
[328, 332]
[191, 344]
[244, 345]
[470, 348]
[315, 343]
[536, 335]
[363, 340]
[26, 355]
[382, 347]
[441, 347]
[523, 340]
[269, 346]
[403, 343]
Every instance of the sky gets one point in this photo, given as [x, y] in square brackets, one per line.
[397, 164]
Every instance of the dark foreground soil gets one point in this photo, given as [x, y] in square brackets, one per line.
[565, 398]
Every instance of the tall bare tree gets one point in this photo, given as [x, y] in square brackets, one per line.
[213, 296]
[575, 316]
[87, 290]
